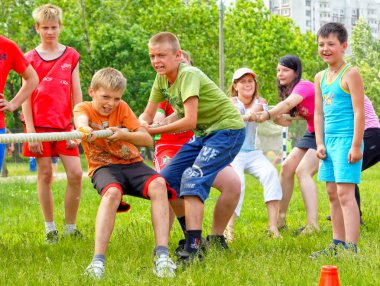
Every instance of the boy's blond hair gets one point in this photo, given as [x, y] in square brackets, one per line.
[47, 13]
[109, 78]
[165, 37]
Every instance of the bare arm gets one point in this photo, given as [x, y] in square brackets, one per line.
[35, 147]
[355, 85]
[139, 137]
[188, 122]
[146, 118]
[281, 108]
[319, 118]
[159, 117]
[75, 85]
[29, 84]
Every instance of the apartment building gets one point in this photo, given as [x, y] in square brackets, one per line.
[310, 15]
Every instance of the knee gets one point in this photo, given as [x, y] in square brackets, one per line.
[157, 189]
[345, 199]
[45, 174]
[75, 174]
[112, 195]
[300, 173]
[286, 169]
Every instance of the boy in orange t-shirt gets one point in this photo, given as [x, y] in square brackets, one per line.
[116, 168]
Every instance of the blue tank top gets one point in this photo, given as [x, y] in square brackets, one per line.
[337, 107]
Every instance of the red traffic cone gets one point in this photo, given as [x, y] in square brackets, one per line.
[329, 276]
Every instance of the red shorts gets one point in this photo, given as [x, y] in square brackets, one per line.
[163, 154]
[52, 148]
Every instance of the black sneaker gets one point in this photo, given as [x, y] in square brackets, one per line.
[181, 246]
[186, 258]
[217, 240]
[51, 237]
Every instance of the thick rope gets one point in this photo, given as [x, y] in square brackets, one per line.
[50, 136]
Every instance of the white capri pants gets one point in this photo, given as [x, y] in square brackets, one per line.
[257, 165]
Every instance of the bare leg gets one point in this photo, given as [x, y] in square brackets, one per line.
[228, 183]
[336, 212]
[44, 181]
[287, 182]
[105, 219]
[272, 207]
[160, 211]
[305, 172]
[194, 211]
[74, 187]
[350, 210]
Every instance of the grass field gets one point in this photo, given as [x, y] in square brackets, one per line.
[254, 258]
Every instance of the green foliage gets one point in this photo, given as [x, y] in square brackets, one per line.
[366, 56]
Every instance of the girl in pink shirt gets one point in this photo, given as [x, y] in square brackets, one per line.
[297, 98]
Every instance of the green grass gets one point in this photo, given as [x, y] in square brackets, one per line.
[254, 258]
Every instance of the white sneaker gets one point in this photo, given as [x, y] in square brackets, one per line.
[95, 269]
[164, 266]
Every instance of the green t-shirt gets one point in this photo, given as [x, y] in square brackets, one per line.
[215, 110]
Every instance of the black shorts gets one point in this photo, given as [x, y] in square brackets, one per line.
[307, 141]
[134, 179]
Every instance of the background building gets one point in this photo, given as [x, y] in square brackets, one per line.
[310, 15]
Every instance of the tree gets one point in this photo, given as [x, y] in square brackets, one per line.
[366, 56]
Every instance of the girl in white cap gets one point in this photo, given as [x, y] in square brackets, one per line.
[246, 99]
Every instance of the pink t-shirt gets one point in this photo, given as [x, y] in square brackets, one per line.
[306, 107]
[371, 119]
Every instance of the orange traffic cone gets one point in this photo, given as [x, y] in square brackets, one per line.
[329, 276]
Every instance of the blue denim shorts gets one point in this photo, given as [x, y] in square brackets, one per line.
[193, 169]
[335, 168]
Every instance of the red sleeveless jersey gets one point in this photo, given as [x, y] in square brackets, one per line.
[52, 99]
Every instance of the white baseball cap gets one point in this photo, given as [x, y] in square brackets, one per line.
[242, 71]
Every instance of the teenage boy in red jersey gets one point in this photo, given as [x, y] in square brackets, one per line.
[49, 109]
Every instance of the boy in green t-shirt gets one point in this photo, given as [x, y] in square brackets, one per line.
[219, 133]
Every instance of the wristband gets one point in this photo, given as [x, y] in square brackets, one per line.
[268, 114]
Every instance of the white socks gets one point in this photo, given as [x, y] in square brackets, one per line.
[69, 228]
[50, 226]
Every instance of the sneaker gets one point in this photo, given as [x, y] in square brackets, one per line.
[164, 267]
[352, 248]
[72, 234]
[217, 240]
[51, 237]
[181, 246]
[331, 251]
[328, 217]
[95, 270]
[186, 258]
